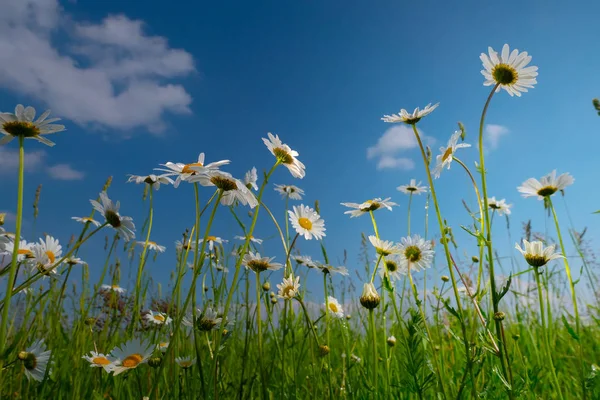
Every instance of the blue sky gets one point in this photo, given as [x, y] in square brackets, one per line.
[139, 86]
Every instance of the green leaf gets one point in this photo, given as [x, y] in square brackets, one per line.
[505, 288]
[450, 309]
[573, 334]
[387, 285]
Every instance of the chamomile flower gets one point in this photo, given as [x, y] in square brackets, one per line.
[285, 155]
[85, 220]
[258, 264]
[289, 288]
[290, 191]
[74, 261]
[152, 246]
[368, 206]
[212, 240]
[152, 180]
[162, 346]
[41, 260]
[499, 206]
[233, 189]
[35, 360]
[370, 298]
[24, 252]
[113, 288]
[509, 70]
[205, 321]
[110, 211]
[21, 124]
[444, 159]
[99, 360]
[185, 362]
[546, 186]
[252, 239]
[306, 260]
[393, 266]
[250, 179]
[187, 246]
[130, 355]
[383, 247]
[536, 254]
[184, 171]
[307, 222]
[158, 318]
[412, 188]
[334, 307]
[330, 269]
[415, 253]
[410, 118]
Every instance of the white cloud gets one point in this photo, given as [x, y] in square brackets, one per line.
[493, 133]
[9, 160]
[397, 139]
[108, 74]
[64, 172]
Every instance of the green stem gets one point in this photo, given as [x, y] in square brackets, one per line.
[374, 382]
[327, 333]
[408, 216]
[260, 341]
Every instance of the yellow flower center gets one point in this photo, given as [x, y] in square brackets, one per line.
[305, 223]
[20, 128]
[412, 253]
[51, 256]
[163, 344]
[185, 364]
[132, 361]
[187, 169]
[372, 206]
[100, 361]
[211, 238]
[505, 74]
[24, 252]
[447, 154]
[224, 183]
[283, 155]
[159, 317]
[391, 266]
[112, 218]
[547, 191]
[333, 307]
[258, 265]
[115, 287]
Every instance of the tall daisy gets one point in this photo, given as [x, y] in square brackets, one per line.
[306, 260]
[412, 188]
[252, 239]
[368, 206]
[130, 354]
[508, 70]
[290, 191]
[35, 360]
[330, 269]
[415, 253]
[499, 206]
[334, 307]
[258, 264]
[152, 246]
[184, 171]
[289, 288]
[25, 249]
[383, 247]
[21, 124]
[307, 222]
[113, 288]
[158, 318]
[546, 186]
[285, 155]
[536, 254]
[85, 220]
[110, 211]
[394, 268]
[212, 240]
[99, 360]
[250, 179]
[185, 362]
[444, 159]
[410, 118]
[233, 189]
[205, 321]
[154, 181]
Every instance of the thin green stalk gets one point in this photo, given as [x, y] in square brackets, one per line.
[260, 341]
[408, 213]
[374, 379]
[327, 333]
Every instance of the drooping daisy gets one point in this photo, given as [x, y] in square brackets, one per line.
[158, 318]
[285, 155]
[185, 171]
[334, 307]
[152, 180]
[85, 220]
[370, 298]
[444, 159]
[383, 247]
[410, 118]
[499, 206]
[130, 354]
[152, 246]
[368, 206]
[99, 360]
[415, 253]
[35, 360]
[110, 211]
[74, 261]
[393, 266]
[21, 124]
[187, 246]
[307, 222]
[252, 239]
[205, 321]
[113, 288]
[258, 264]
[289, 288]
[290, 191]
[330, 269]
[412, 188]
[509, 70]
[306, 260]
[185, 362]
[536, 254]
[211, 240]
[546, 186]
[250, 179]
[233, 189]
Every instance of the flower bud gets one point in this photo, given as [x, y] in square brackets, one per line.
[499, 316]
[155, 362]
[323, 350]
[273, 300]
[369, 298]
[391, 341]
[445, 278]
[266, 286]
[475, 259]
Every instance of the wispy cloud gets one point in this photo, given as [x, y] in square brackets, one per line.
[395, 140]
[109, 74]
[493, 133]
[64, 172]
[35, 161]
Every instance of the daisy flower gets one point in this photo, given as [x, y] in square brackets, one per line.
[370, 298]
[334, 307]
[252, 239]
[258, 264]
[509, 70]
[152, 246]
[85, 220]
[416, 253]
[306, 260]
[162, 346]
[307, 222]
[153, 180]
[393, 266]
[99, 360]
[233, 189]
[536, 254]
[185, 362]
[211, 240]
[222, 269]
[330, 269]
[41, 260]
[180, 246]
[110, 211]
[185, 171]
[546, 186]
[410, 118]
[289, 288]
[383, 247]
[25, 250]
[250, 179]
[158, 318]
[113, 288]
[130, 354]
[290, 191]
[74, 261]
[499, 206]
[412, 188]
[35, 360]
[444, 160]
[368, 206]
[285, 155]
[208, 320]
[21, 124]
